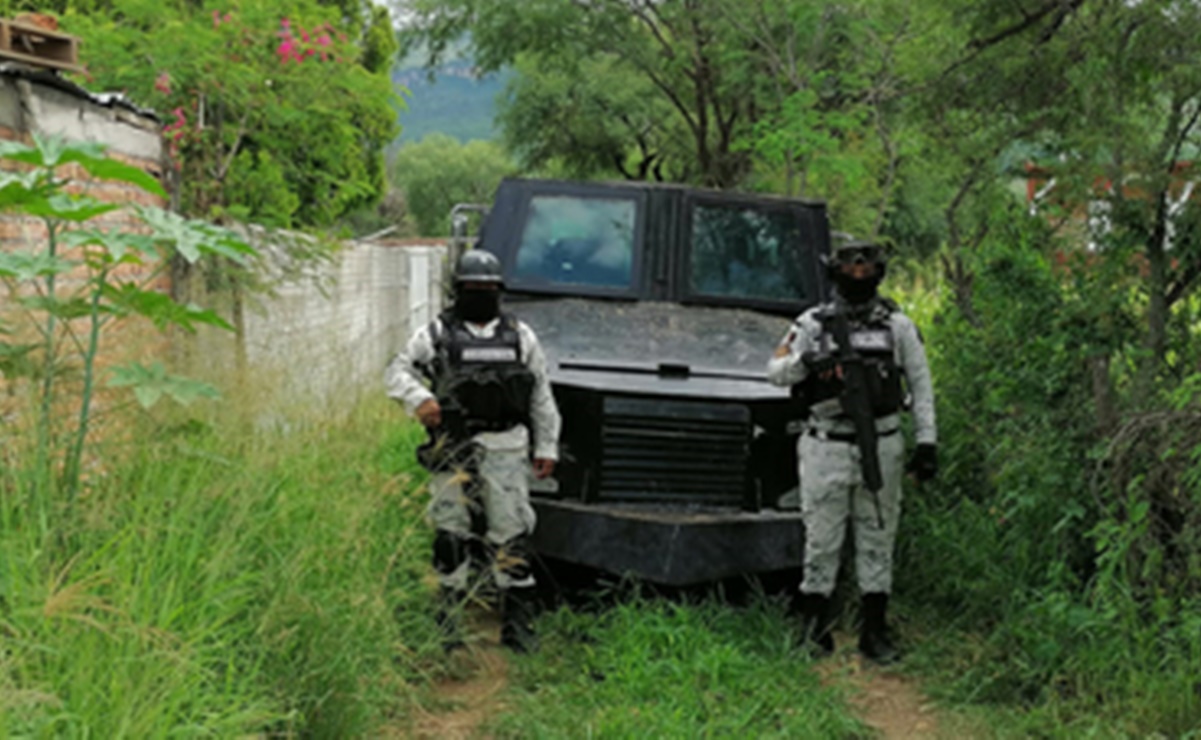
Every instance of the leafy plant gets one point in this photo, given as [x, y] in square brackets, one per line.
[277, 113]
[67, 317]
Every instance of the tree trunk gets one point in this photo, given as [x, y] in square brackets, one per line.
[1104, 404]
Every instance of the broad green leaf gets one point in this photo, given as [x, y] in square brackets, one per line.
[115, 243]
[67, 208]
[192, 239]
[17, 152]
[161, 308]
[19, 188]
[15, 361]
[151, 383]
[26, 266]
[62, 308]
[111, 169]
[51, 148]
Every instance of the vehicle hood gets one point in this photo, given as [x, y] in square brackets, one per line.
[624, 345]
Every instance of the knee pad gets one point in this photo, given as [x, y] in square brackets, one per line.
[450, 551]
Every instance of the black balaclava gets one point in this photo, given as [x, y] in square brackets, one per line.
[477, 306]
[857, 291]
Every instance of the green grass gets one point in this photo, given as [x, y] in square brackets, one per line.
[220, 580]
[662, 669]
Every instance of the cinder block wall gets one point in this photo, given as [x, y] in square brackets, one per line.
[328, 337]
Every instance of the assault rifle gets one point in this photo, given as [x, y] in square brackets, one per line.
[450, 444]
[857, 403]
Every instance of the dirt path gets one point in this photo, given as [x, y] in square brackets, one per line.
[472, 693]
[889, 702]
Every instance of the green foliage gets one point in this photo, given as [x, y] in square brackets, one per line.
[438, 172]
[1055, 554]
[215, 587]
[656, 669]
[100, 295]
[277, 113]
[684, 55]
[592, 116]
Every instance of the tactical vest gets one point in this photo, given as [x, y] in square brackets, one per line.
[484, 378]
[872, 340]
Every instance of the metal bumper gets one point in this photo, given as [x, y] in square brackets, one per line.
[672, 546]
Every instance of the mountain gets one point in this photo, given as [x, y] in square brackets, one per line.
[458, 102]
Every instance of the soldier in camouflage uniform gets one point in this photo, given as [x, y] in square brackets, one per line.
[832, 483]
[487, 393]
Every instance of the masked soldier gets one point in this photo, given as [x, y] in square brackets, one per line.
[487, 394]
[885, 347]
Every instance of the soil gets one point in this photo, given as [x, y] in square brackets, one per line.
[886, 701]
[473, 691]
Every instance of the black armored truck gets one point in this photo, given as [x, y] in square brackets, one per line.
[658, 307]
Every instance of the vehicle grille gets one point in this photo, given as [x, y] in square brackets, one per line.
[679, 451]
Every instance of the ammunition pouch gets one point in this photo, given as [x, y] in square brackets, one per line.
[492, 398]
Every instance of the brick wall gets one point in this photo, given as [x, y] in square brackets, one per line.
[40, 102]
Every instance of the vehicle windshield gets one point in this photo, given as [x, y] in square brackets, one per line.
[744, 252]
[578, 240]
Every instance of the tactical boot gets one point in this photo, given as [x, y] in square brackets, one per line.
[817, 637]
[517, 611]
[875, 643]
[448, 617]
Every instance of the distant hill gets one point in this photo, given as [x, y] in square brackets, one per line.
[456, 103]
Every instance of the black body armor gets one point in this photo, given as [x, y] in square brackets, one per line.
[483, 379]
[873, 340]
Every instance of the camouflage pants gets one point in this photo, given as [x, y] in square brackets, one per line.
[832, 492]
[498, 503]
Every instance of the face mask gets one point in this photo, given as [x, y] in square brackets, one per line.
[477, 306]
[856, 291]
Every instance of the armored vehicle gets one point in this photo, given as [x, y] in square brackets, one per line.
[658, 307]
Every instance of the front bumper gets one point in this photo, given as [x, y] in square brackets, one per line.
[669, 545]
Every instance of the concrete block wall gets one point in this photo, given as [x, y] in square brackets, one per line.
[329, 336]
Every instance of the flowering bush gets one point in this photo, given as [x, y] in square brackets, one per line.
[250, 83]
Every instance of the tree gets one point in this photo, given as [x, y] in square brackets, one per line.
[277, 113]
[1109, 91]
[592, 116]
[681, 51]
[438, 172]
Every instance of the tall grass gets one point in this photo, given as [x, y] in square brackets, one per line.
[220, 579]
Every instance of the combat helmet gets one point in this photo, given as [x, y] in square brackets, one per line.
[856, 290]
[478, 266]
[850, 251]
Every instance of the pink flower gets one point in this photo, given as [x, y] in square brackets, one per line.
[162, 83]
[304, 35]
[285, 23]
[216, 18]
[286, 50]
[324, 39]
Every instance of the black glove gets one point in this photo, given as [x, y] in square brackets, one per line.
[924, 463]
[819, 363]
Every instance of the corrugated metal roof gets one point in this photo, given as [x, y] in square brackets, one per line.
[53, 79]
